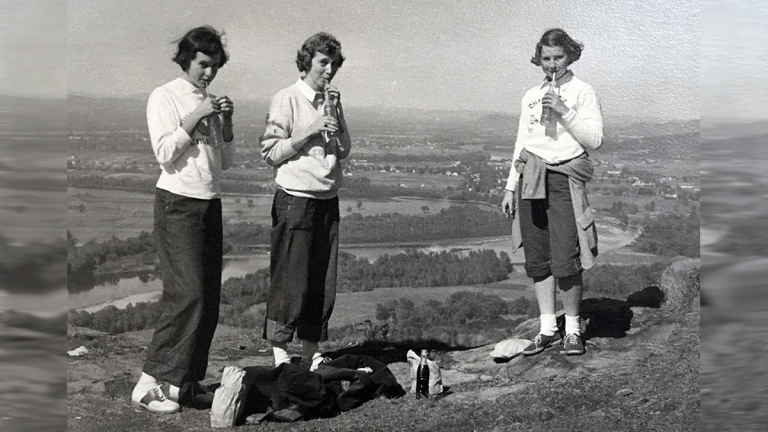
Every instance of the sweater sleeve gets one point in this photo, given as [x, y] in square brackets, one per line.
[169, 139]
[276, 141]
[586, 122]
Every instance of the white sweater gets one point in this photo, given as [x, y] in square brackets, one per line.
[190, 166]
[580, 129]
[314, 170]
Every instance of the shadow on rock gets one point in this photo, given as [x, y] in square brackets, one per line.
[391, 352]
[607, 317]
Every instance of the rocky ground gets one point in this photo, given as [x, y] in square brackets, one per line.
[640, 373]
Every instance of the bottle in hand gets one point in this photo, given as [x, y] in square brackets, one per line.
[547, 113]
[215, 134]
[329, 108]
[422, 376]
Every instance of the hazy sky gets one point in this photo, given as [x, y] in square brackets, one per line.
[641, 56]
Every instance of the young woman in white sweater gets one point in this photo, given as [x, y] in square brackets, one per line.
[545, 190]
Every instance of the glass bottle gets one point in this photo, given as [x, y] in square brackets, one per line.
[422, 376]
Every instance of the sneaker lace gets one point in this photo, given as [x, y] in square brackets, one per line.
[159, 393]
[537, 339]
[572, 338]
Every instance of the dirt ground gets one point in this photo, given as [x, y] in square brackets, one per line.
[640, 373]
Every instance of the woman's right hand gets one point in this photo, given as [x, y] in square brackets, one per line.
[324, 123]
[508, 203]
[207, 107]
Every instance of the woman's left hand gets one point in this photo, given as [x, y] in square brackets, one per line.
[552, 100]
[226, 106]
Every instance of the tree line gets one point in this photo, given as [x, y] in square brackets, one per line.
[238, 295]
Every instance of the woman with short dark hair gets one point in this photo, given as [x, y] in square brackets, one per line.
[191, 135]
[305, 140]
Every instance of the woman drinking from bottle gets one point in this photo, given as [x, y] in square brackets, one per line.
[546, 192]
[305, 141]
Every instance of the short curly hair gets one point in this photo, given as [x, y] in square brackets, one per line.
[204, 39]
[558, 38]
[319, 42]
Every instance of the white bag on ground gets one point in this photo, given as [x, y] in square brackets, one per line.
[509, 348]
[229, 399]
[435, 380]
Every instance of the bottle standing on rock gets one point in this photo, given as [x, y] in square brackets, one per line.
[422, 376]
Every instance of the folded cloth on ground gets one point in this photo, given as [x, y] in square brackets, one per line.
[509, 348]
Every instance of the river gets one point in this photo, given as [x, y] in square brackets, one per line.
[133, 290]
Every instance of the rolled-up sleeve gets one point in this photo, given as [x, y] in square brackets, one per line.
[586, 122]
[169, 139]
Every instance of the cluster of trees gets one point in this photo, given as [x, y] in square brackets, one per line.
[110, 319]
[420, 269]
[621, 211]
[670, 234]
[83, 261]
[457, 221]
[466, 319]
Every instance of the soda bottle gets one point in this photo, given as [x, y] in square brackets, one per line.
[422, 376]
[329, 108]
[547, 113]
[215, 134]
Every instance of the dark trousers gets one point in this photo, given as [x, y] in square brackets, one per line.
[188, 236]
[303, 261]
[548, 228]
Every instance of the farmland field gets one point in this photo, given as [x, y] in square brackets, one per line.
[107, 213]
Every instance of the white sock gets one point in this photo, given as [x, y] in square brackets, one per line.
[572, 325]
[280, 350]
[548, 324]
[308, 350]
[316, 360]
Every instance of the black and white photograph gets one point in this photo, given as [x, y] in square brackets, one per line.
[365, 215]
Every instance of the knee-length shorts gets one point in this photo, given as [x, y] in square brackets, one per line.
[549, 232]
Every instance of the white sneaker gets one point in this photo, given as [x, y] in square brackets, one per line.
[154, 400]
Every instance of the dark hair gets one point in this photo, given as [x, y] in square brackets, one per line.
[558, 38]
[319, 42]
[204, 39]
